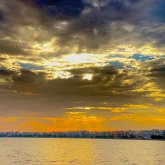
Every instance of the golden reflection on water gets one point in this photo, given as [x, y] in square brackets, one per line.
[35, 151]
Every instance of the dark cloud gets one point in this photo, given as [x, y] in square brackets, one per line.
[90, 25]
[61, 9]
[5, 73]
[155, 67]
[158, 12]
[158, 72]
[102, 70]
[107, 82]
[110, 24]
[1, 16]
[12, 48]
[155, 71]
[97, 25]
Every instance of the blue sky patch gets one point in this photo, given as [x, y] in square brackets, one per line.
[140, 57]
[31, 66]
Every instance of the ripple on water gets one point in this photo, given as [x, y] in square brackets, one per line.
[81, 151]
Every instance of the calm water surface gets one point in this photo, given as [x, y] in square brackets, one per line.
[22, 151]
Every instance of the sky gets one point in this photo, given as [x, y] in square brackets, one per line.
[69, 65]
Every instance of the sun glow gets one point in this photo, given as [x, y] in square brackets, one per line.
[60, 74]
[88, 77]
[76, 58]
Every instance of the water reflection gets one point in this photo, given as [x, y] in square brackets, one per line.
[81, 151]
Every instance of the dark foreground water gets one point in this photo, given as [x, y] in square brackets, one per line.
[22, 151]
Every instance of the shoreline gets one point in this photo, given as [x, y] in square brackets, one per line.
[81, 138]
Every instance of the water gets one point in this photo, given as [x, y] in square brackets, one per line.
[31, 151]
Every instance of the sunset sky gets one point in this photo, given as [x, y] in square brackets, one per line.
[96, 65]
